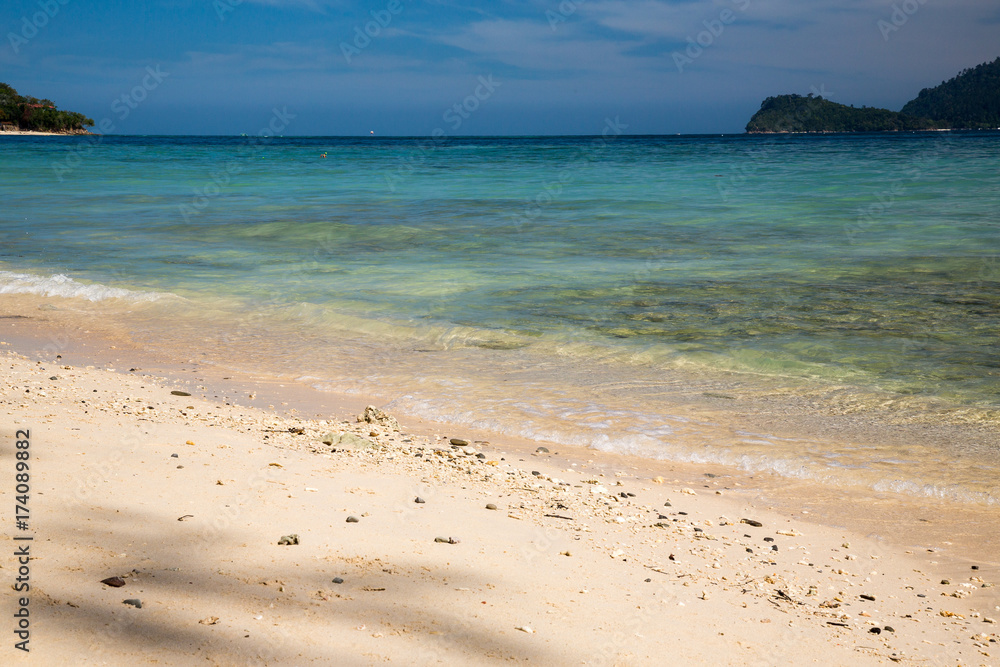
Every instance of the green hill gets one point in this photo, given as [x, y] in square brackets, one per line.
[794, 113]
[971, 100]
[21, 112]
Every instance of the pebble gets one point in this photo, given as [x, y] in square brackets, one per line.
[540, 450]
[458, 442]
[752, 522]
[352, 519]
[446, 540]
[875, 631]
[174, 456]
[667, 504]
[870, 598]
[524, 628]
[419, 500]
[287, 540]
[490, 506]
[538, 474]
[338, 580]
[133, 602]
[114, 582]
[180, 393]
[889, 628]
[945, 582]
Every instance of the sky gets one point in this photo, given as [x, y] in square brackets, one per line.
[516, 67]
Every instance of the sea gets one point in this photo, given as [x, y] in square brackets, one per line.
[817, 307]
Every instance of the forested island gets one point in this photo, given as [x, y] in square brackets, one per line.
[26, 113]
[971, 100]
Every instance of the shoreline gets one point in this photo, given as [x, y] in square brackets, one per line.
[724, 590]
[36, 133]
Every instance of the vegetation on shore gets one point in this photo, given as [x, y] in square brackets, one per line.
[971, 100]
[23, 112]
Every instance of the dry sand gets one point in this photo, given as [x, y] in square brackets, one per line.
[586, 560]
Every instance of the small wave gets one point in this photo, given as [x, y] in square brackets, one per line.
[59, 285]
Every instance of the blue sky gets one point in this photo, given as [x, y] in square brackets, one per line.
[550, 67]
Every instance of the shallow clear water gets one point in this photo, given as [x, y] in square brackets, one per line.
[636, 293]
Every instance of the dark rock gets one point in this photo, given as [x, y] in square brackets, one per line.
[538, 474]
[480, 455]
[114, 582]
[921, 595]
[288, 540]
[889, 628]
[749, 550]
[623, 495]
[338, 580]
[774, 547]
[667, 504]
[975, 567]
[648, 580]
[133, 602]
[870, 598]
[174, 456]
[352, 519]
[419, 500]
[769, 539]
[458, 442]
[683, 513]
[945, 582]
[54, 377]
[180, 393]
[630, 495]
[446, 540]
[752, 522]
[875, 631]
[542, 450]
[490, 506]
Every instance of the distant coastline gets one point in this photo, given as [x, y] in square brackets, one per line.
[36, 133]
[969, 101]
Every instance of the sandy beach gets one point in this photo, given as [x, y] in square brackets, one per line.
[256, 527]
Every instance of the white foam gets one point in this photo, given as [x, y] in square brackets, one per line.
[59, 285]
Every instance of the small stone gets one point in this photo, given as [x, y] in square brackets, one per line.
[458, 442]
[288, 540]
[174, 456]
[490, 506]
[480, 455]
[975, 567]
[373, 415]
[338, 580]
[446, 540]
[54, 377]
[875, 631]
[419, 500]
[133, 602]
[752, 522]
[537, 474]
[945, 582]
[889, 628]
[114, 582]
[540, 450]
[180, 393]
[987, 619]
[667, 504]
[524, 628]
[774, 547]
[352, 519]
[870, 598]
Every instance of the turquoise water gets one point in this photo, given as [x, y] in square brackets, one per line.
[840, 274]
